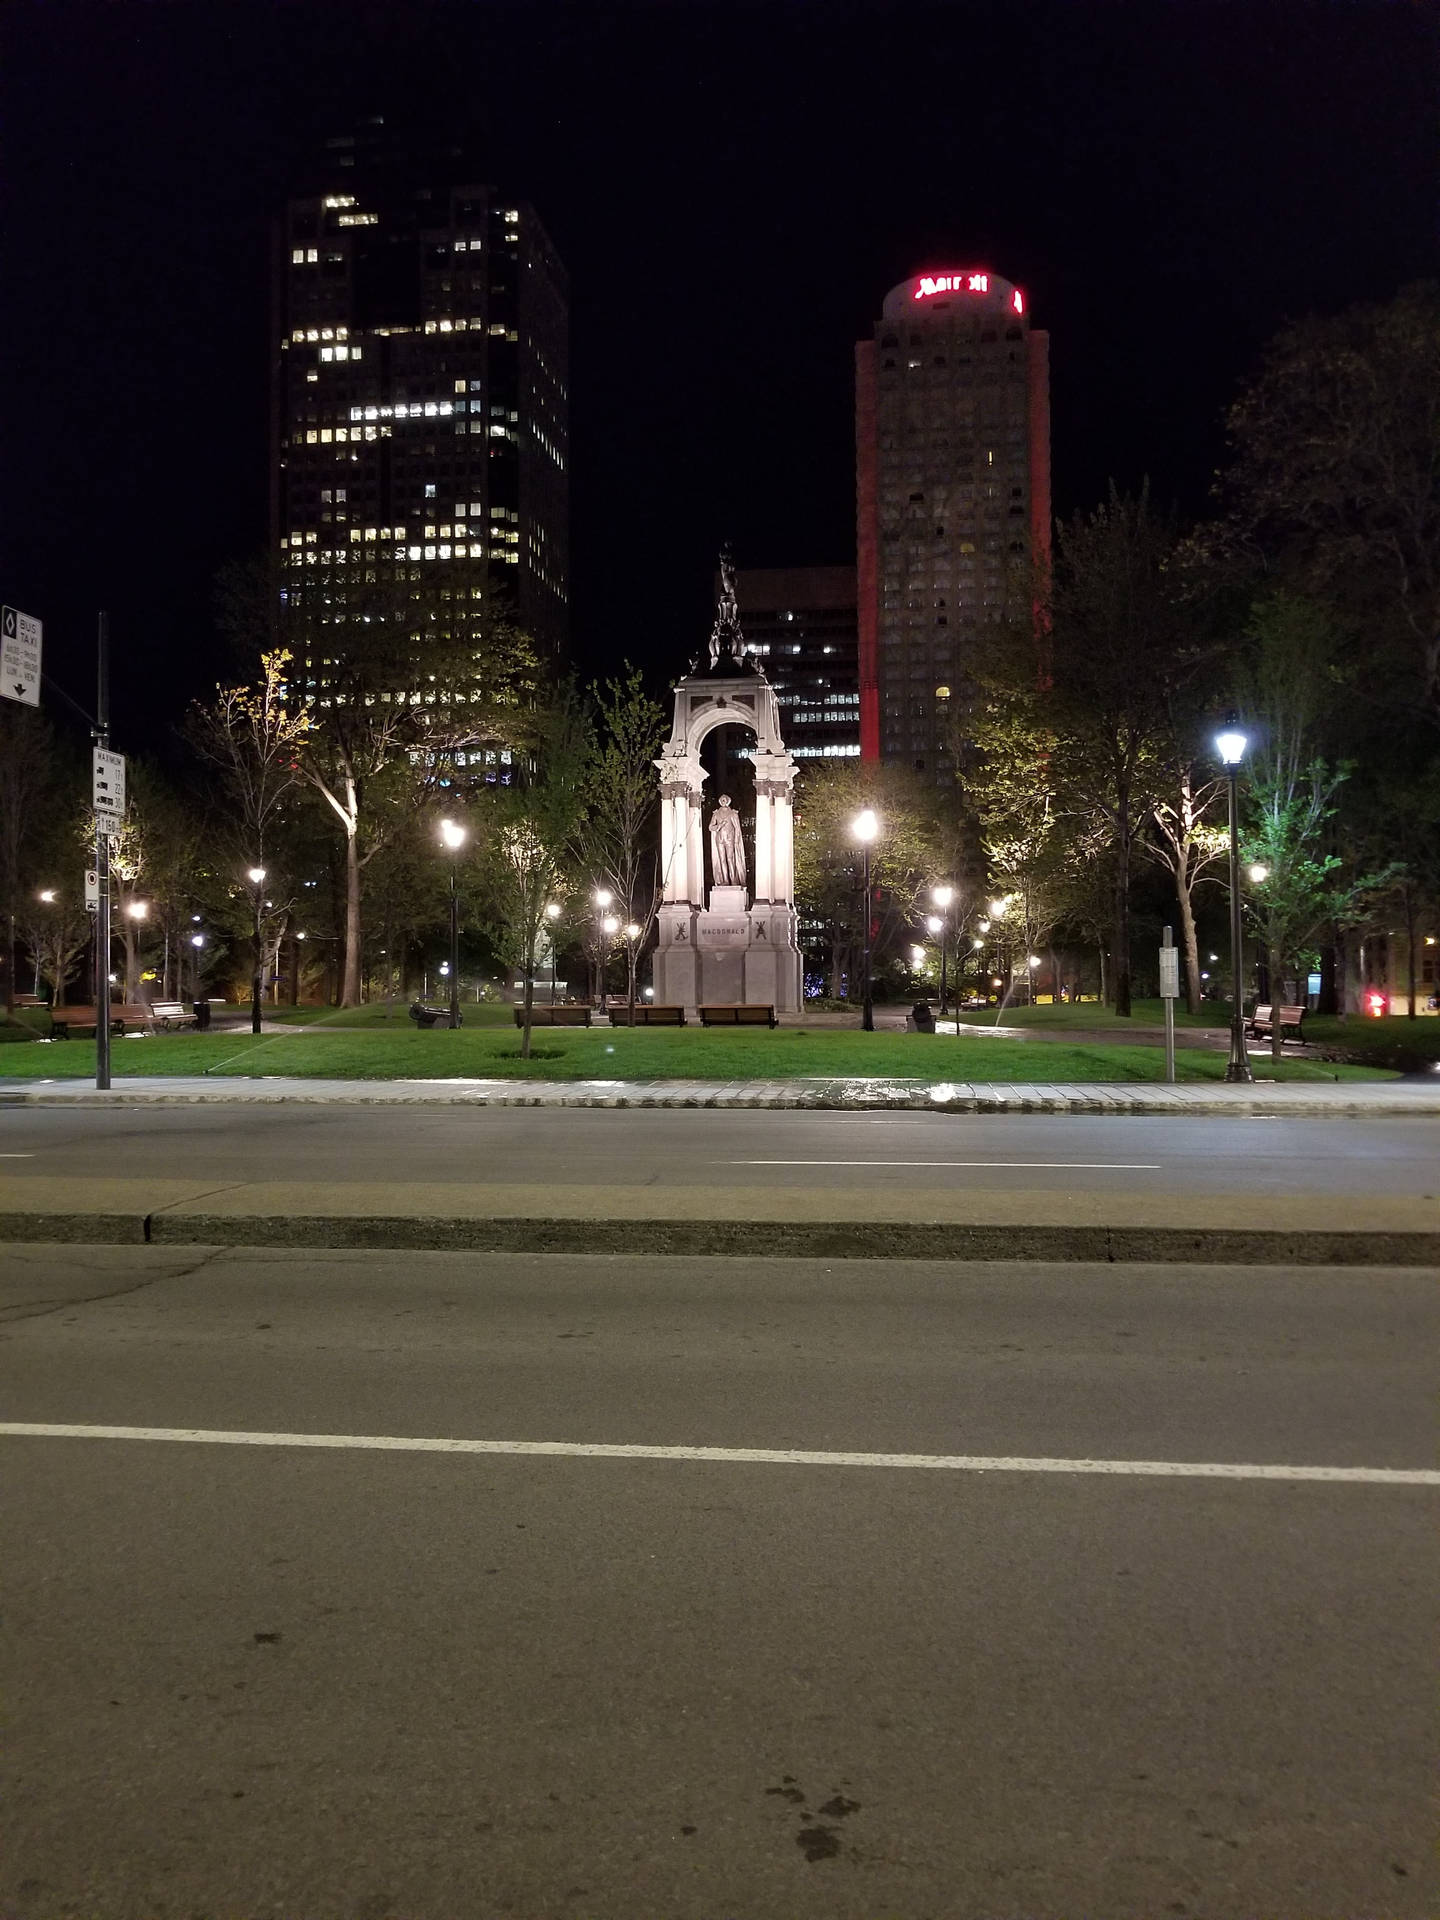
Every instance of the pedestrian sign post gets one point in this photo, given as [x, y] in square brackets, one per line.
[20, 638]
[1169, 994]
[107, 791]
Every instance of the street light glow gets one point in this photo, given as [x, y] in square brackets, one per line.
[942, 896]
[610, 923]
[1231, 745]
[603, 897]
[1259, 873]
[197, 939]
[453, 835]
[935, 924]
[48, 896]
[865, 826]
[997, 909]
[257, 876]
[632, 932]
[917, 956]
[552, 912]
[137, 909]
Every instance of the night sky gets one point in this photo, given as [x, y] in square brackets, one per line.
[733, 189]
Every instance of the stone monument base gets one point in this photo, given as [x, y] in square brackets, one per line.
[732, 954]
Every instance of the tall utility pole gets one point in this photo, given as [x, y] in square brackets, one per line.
[102, 868]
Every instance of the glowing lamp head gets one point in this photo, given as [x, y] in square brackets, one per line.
[865, 826]
[610, 923]
[552, 912]
[997, 909]
[942, 896]
[256, 876]
[137, 909]
[1230, 745]
[934, 924]
[47, 894]
[917, 956]
[632, 932]
[197, 940]
[603, 897]
[302, 935]
[452, 834]
[1259, 873]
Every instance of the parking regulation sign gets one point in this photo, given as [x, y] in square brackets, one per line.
[108, 790]
[20, 637]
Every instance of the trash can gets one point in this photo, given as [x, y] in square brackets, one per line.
[921, 1017]
[201, 1010]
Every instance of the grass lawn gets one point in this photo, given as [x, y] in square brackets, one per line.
[622, 1054]
[1090, 1014]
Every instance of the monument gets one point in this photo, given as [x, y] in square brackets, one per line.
[726, 945]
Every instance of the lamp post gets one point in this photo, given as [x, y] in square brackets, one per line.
[136, 911]
[609, 927]
[256, 877]
[1230, 744]
[453, 837]
[942, 896]
[864, 827]
[603, 898]
[552, 914]
[632, 934]
[197, 942]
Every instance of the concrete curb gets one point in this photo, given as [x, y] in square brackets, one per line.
[1222, 1246]
[1361, 1101]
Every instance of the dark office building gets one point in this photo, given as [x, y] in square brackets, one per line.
[952, 429]
[800, 622]
[420, 430]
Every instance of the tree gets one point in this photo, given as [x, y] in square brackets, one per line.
[28, 781]
[1336, 481]
[1102, 673]
[1189, 843]
[905, 858]
[528, 841]
[618, 841]
[1291, 789]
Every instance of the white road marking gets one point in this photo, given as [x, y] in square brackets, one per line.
[732, 1456]
[1086, 1166]
[17, 1156]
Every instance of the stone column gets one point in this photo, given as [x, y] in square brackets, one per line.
[764, 843]
[783, 833]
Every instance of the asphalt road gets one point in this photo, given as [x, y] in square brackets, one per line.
[269, 1682]
[706, 1148]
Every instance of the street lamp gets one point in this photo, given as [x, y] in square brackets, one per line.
[1259, 873]
[256, 877]
[603, 897]
[47, 894]
[453, 837]
[552, 914]
[942, 896]
[1230, 745]
[864, 827]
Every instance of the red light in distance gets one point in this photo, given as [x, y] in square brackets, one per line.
[932, 283]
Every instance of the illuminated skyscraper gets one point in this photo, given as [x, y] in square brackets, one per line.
[952, 430]
[800, 622]
[420, 429]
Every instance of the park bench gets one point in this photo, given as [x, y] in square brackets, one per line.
[1261, 1023]
[30, 1000]
[67, 1020]
[170, 1014]
[425, 1016]
[647, 1015]
[737, 1016]
[554, 1016]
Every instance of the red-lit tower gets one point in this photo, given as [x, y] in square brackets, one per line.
[952, 437]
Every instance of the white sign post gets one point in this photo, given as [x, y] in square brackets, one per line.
[1169, 993]
[92, 889]
[107, 791]
[20, 638]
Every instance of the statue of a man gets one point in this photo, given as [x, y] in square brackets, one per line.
[727, 846]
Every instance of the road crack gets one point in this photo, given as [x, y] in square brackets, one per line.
[21, 1310]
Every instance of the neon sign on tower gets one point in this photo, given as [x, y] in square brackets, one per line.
[930, 284]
